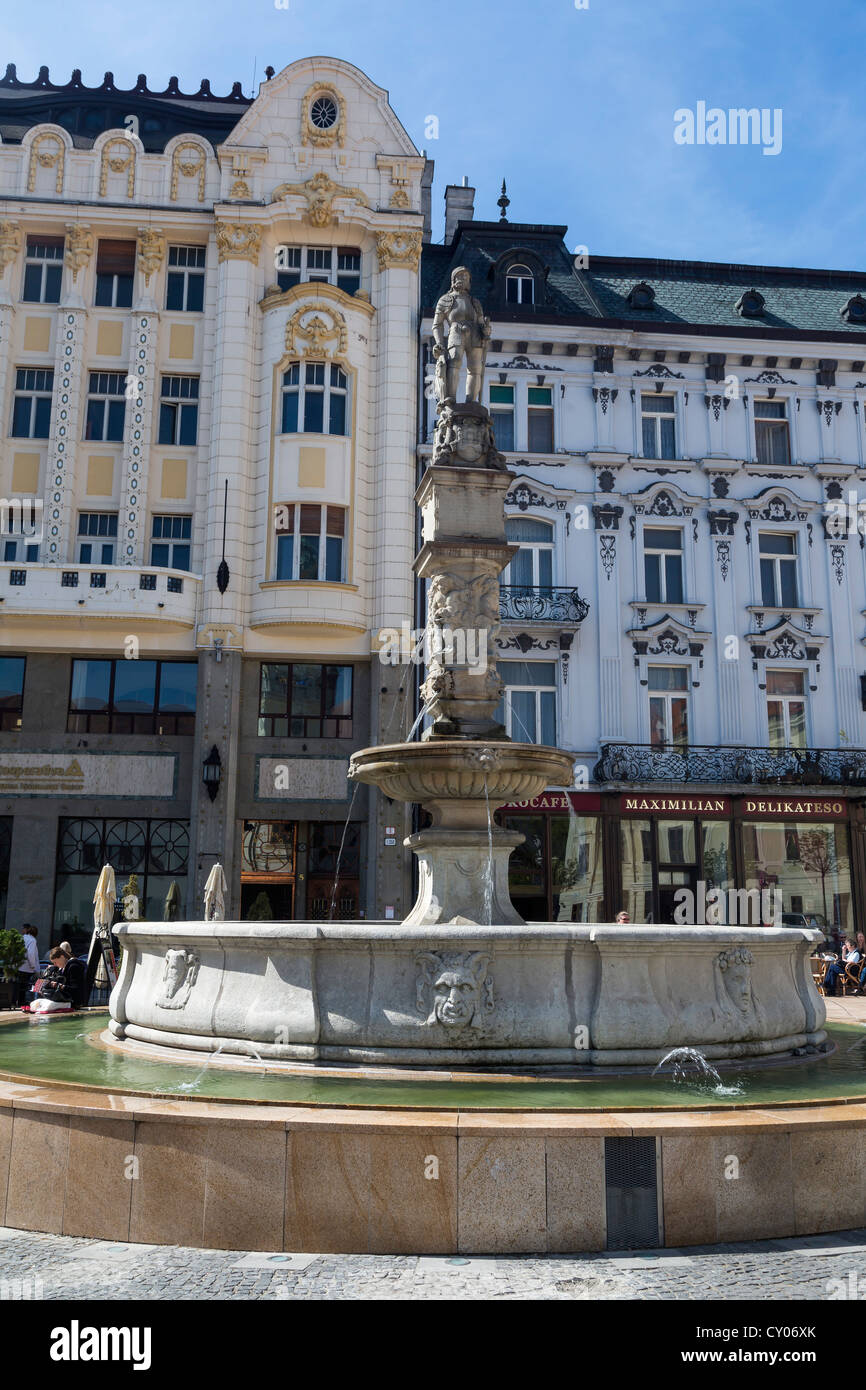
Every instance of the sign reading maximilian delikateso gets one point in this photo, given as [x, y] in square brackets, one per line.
[105, 775]
[675, 805]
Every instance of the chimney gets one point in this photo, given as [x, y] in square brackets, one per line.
[427, 197]
[459, 207]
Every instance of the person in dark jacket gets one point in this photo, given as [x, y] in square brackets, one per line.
[70, 980]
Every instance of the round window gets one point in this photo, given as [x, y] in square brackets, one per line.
[324, 112]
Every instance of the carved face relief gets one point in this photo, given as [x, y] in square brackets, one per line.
[179, 974]
[736, 969]
[454, 989]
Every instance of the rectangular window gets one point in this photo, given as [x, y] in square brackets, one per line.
[528, 707]
[302, 700]
[663, 564]
[658, 417]
[668, 706]
[106, 407]
[310, 542]
[115, 274]
[11, 691]
[349, 270]
[778, 560]
[132, 697]
[772, 440]
[540, 420]
[314, 396]
[288, 266]
[31, 409]
[319, 263]
[20, 551]
[97, 537]
[43, 270]
[170, 542]
[178, 411]
[184, 289]
[502, 415]
[786, 709]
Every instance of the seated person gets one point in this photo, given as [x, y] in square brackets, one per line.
[64, 984]
[850, 956]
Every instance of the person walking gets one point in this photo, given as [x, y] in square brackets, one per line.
[29, 967]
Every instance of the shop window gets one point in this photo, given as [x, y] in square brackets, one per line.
[539, 420]
[668, 706]
[156, 851]
[315, 398]
[333, 871]
[11, 691]
[532, 566]
[502, 415]
[772, 441]
[663, 564]
[115, 274]
[786, 709]
[303, 700]
[528, 706]
[778, 558]
[658, 425]
[97, 536]
[310, 543]
[519, 285]
[106, 407]
[809, 863]
[31, 407]
[178, 411]
[184, 290]
[43, 270]
[132, 697]
[268, 851]
[636, 866]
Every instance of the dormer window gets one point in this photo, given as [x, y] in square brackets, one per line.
[519, 285]
[855, 310]
[642, 296]
[750, 304]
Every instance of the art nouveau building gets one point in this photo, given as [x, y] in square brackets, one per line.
[207, 389]
[686, 611]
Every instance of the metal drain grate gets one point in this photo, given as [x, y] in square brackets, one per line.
[631, 1189]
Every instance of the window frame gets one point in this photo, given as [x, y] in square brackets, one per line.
[103, 395]
[186, 273]
[536, 548]
[503, 411]
[655, 417]
[180, 406]
[664, 553]
[330, 391]
[11, 716]
[536, 411]
[321, 719]
[667, 697]
[776, 560]
[171, 542]
[505, 712]
[785, 700]
[82, 721]
[520, 274]
[122, 282]
[36, 394]
[306, 272]
[769, 426]
[44, 263]
[324, 534]
[89, 538]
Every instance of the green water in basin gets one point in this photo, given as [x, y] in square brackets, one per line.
[59, 1049]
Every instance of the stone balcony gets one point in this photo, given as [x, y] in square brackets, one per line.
[121, 593]
[522, 603]
[643, 763]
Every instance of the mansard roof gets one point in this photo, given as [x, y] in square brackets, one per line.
[86, 112]
[699, 297]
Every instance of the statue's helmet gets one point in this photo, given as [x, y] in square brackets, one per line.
[463, 273]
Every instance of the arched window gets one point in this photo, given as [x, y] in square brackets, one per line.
[532, 566]
[519, 285]
[315, 397]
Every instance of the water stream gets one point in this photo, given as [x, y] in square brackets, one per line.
[691, 1068]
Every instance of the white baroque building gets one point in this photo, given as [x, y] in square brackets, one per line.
[687, 611]
[208, 318]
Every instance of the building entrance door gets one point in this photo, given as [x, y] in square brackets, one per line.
[268, 874]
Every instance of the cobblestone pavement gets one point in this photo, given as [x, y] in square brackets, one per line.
[62, 1267]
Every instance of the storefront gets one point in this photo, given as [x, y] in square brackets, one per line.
[300, 871]
[589, 856]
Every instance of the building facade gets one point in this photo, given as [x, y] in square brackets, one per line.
[208, 318]
[686, 612]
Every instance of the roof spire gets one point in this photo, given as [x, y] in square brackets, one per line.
[503, 202]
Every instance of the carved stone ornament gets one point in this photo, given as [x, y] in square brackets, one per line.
[10, 244]
[735, 969]
[188, 161]
[151, 251]
[79, 248]
[454, 988]
[455, 602]
[320, 192]
[240, 241]
[399, 249]
[118, 157]
[47, 152]
[179, 974]
[317, 330]
[400, 199]
[239, 190]
[464, 435]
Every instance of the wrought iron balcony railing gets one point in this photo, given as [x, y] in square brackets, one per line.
[807, 767]
[526, 603]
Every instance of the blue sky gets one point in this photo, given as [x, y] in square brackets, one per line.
[575, 107]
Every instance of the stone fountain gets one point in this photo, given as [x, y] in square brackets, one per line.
[463, 981]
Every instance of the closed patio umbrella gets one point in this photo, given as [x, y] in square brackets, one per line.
[171, 905]
[215, 895]
[103, 916]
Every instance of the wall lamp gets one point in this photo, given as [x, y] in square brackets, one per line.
[211, 772]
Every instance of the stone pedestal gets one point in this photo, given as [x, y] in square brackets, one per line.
[463, 878]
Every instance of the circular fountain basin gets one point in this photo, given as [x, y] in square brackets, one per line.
[464, 995]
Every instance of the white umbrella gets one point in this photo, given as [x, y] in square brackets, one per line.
[214, 895]
[103, 916]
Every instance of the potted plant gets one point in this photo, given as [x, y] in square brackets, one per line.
[12, 952]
